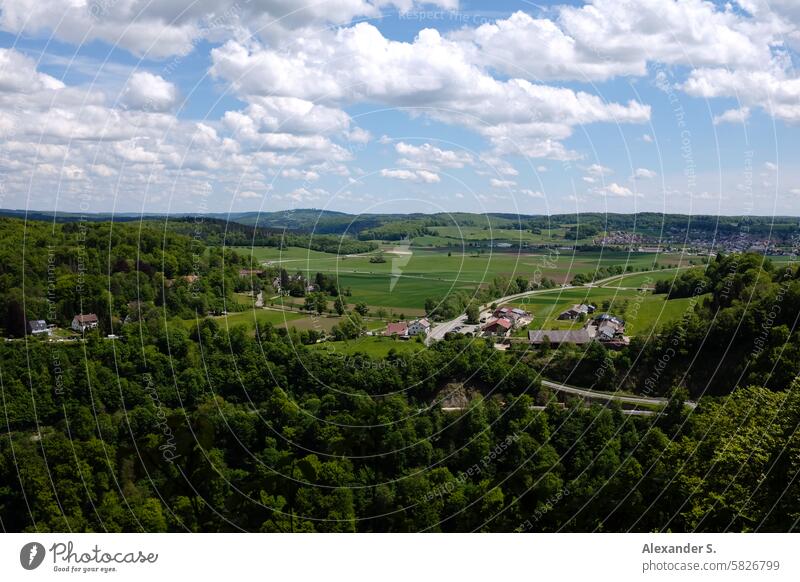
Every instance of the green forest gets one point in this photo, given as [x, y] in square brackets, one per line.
[210, 428]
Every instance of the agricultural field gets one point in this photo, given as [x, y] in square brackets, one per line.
[407, 277]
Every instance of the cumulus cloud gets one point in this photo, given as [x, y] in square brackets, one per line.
[614, 190]
[775, 91]
[411, 176]
[644, 174]
[739, 115]
[173, 27]
[149, 92]
[515, 115]
[18, 74]
[598, 170]
[429, 156]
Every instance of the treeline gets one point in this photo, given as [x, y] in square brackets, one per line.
[217, 232]
[216, 431]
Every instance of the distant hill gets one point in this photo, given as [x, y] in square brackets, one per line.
[394, 226]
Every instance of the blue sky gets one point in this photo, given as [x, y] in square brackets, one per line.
[373, 106]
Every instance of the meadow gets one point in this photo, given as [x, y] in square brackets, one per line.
[408, 276]
[642, 311]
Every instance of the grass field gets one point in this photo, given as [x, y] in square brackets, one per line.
[375, 346]
[406, 279]
[641, 310]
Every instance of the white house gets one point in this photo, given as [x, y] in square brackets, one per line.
[82, 322]
[419, 326]
[38, 327]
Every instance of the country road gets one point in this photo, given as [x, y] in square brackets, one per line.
[609, 396]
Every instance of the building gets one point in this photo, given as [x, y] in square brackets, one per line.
[576, 311]
[518, 317]
[38, 327]
[498, 327]
[83, 322]
[399, 329]
[250, 272]
[559, 336]
[419, 326]
[609, 328]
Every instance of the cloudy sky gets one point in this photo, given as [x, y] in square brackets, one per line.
[399, 106]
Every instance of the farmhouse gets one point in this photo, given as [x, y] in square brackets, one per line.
[576, 311]
[559, 336]
[38, 327]
[83, 322]
[399, 329]
[419, 326]
[518, 317]
[498, 327]
[609, 328]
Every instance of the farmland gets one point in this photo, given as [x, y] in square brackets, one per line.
[408, 277]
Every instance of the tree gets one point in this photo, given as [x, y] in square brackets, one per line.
[320, 303]
[339, 305]
[473, 313]
[362, 309]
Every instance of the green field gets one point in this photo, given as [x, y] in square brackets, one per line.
[642, 311]
[418, 274]
[648, 280]
[375, 346]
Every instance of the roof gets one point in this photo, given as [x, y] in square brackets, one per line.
[611, 318]
[398, 328]
[559, 336]
[423, 322]
[88, 318]
[608, 329]
[502, 322]
[37, 325]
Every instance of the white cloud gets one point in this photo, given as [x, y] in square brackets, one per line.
[644, 174]
[773, 90]
[647, 138]
[149, 92]
[411, 176]
[739, 115]
[359, 135]
[249, 194]
[614, 190]
[502, 183]
[598, 170]
[532, 193]
[430, 156]
[295, 174]
[18, 74]
[172, 27]
[517, 116]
